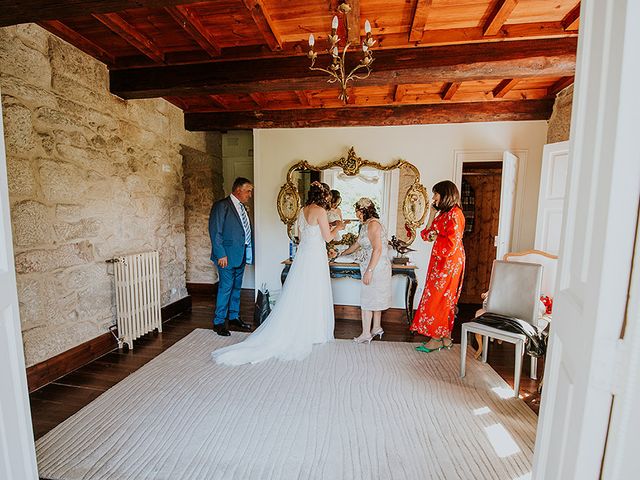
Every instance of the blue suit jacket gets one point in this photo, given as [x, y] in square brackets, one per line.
[226, 233]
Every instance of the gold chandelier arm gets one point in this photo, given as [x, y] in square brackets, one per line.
[320, 69]
[343, 63]
[352, 74]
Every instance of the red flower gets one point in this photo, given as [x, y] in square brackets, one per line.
[548, 303]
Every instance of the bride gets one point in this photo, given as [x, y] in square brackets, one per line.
[303, 315]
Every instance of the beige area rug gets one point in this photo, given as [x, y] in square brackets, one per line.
[379, 411]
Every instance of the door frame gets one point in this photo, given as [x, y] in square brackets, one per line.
[477, 156]
[17, 447]
[592, 366]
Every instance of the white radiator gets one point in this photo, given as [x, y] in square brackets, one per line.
[137, 283]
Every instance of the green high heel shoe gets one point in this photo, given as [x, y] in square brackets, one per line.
[423, 348]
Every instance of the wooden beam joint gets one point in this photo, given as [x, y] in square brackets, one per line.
[571, 21]
[449, 89]
[137, 39]
[419, 20]
[498, 16]
[504, 87]
[264, 23]
[194, 27]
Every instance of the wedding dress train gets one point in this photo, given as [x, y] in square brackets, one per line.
[302, 316]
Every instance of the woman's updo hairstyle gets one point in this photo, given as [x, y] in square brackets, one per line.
[319, 194]
[367, 208]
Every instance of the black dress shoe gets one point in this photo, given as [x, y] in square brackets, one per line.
[239, 323]
[221, 330]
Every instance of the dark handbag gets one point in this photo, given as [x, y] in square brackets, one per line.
[263, 308]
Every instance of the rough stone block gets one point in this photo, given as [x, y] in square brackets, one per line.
[68, 61]
[20, 138]
[62, 181]
[86, 228]
[49, 260]
[31, 222]
[21, 178]
[22, 61]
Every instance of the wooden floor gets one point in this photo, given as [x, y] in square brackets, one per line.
[55, 402]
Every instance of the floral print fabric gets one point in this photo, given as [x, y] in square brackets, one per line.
[436, 311]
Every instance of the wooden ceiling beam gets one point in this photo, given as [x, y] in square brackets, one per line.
[74, 38]
[399, 92]
[419, 20]
[218, 100]
[571, 21]
[303, 98]
[25, 11]
[559, 85]
[449, 90]
[259, 99]
[500, 13]
[194, 27]
[504, 87]
[372, 116]
[452, 63]
[137, 39]
[264, 23]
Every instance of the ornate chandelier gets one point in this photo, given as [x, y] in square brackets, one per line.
[337, 69]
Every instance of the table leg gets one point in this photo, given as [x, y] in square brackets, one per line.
[410, 293]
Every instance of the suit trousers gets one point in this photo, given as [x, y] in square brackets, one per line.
[229, 287]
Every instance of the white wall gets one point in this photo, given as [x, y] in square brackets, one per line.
[430, 147]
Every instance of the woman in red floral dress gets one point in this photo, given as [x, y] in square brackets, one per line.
[435, 314]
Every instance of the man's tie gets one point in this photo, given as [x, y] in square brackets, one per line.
[246, 225]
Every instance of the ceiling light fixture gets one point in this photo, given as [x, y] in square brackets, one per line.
[337, 69]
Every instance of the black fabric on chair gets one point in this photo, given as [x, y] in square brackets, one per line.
[536, 345]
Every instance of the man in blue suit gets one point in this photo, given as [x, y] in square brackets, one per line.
[231, 249]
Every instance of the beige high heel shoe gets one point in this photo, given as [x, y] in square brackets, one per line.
[378, 333]
[363, 339]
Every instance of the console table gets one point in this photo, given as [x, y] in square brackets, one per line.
[352, 270]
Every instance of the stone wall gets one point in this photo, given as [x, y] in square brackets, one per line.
[202, 186]
[560, 121]
[91, 176]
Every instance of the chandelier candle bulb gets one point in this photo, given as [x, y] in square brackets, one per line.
[367, 26]
[334, 22]
[312, 40]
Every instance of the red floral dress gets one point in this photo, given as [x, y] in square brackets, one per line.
[435, 314]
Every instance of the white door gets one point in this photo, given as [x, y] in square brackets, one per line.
[586, 346]
[507, 204]
[553, 184]
[17, 452]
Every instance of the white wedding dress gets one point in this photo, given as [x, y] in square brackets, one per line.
[302, 316]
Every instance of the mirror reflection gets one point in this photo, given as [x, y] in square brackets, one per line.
[395, 189]
[387, 189]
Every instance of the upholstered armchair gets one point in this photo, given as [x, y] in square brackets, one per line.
[549, 263]
[513, 296]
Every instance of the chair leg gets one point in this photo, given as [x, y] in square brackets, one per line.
[534, 368]
[485, 348]
[518, 368]
[463, 352]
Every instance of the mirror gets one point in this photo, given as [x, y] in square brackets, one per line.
[400, 198]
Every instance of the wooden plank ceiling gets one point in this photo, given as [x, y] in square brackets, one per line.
[242, 63]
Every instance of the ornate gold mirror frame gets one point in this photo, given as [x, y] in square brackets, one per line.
[415, 204]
